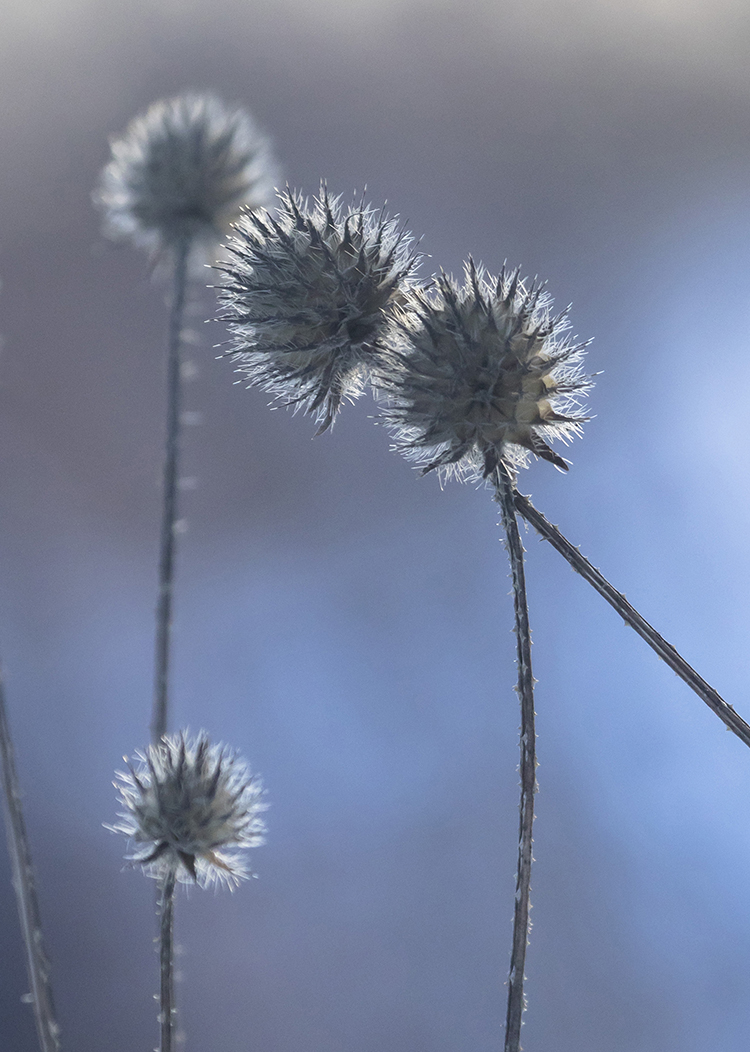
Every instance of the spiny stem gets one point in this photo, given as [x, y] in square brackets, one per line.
[665, 650]
[167, 1012]
[169, 504]
[25, 888]
[504, 488]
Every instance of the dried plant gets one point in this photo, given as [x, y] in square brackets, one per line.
[177, 179]
[183, 807]
[479, 376]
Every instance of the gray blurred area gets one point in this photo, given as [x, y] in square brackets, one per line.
[343, 623]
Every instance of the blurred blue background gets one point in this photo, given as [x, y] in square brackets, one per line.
[341, 622]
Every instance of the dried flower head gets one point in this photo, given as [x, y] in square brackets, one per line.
[181, 172]
[185, 804]
[481, 374]
[308, 298]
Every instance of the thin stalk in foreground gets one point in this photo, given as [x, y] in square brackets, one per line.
[25, 888]
[169, 503]
[167, 1010]
[504, 488]
[629, 614]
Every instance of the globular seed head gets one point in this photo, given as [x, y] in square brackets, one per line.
[482, 373]
[181, 172]
[190, 805]
[308, 295]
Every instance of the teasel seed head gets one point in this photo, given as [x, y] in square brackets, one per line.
[189, 805]
[482, 373]
[181, 172]
[307, 297]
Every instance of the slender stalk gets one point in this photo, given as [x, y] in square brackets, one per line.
[665, 650]
[504, 488]
[169, 504]
[167, 1010]
[25, 888]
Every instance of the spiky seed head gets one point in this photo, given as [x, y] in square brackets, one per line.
[186, 804]
[307, 298]
[483, 373]
[182, 171]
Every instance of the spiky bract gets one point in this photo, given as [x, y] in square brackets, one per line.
[308, 298]
[483, 373]
[181, 172]
[185, 804]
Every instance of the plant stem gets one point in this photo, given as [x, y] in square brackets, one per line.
[25, 888]
[167, 1012]
[665, 650]
[169, 503]
[504, 488]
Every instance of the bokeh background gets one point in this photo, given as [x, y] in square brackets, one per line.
[345, 624]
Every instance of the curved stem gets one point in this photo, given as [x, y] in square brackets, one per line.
[504, 489]
[169, 503]
[26, 897]
[167, 1010]
[628, 613]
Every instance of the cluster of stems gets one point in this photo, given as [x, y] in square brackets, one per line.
[511, 503]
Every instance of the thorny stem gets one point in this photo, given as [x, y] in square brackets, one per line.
[504, 496]
[167, 1010]
[169, 504]
[25, 888]
[630, 615]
